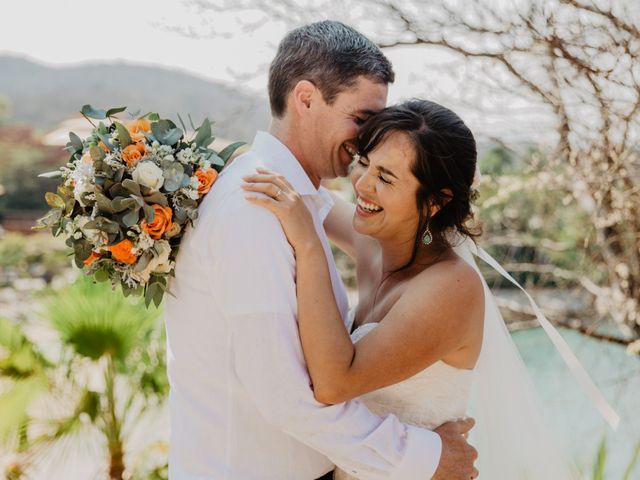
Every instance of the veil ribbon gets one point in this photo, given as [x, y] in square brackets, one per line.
[591, 391]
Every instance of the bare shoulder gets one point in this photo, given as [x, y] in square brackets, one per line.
[451, 287]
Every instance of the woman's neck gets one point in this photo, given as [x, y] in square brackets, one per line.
[396, 254]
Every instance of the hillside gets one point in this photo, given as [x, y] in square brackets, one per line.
[44, 96]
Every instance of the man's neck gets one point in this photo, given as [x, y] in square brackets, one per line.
[284, 133]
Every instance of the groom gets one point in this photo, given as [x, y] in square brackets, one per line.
[241, 403]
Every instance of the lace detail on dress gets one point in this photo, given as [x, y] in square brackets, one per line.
[430, 398]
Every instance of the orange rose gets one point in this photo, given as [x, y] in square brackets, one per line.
[162, 222]
[122, 251]
[92, 258]
[133, 153]
[206, 178]
[137, 127]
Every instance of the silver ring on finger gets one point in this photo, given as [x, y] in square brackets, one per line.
[278, 193]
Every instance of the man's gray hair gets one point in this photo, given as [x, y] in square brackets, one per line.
[329, 54]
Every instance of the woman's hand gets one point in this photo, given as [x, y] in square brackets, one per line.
[287, 204]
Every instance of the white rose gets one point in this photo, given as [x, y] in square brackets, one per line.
[158, 264]
[149, 175]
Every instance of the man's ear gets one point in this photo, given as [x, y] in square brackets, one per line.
[302, 95]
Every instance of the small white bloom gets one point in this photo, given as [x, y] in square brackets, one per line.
[155, 144]
[169, 158]
[145, 242]
[148, 174]
[158, 264]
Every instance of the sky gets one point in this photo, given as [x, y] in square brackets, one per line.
[143, 31]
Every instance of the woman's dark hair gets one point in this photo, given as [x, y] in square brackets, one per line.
[330, 54]
[445, 160]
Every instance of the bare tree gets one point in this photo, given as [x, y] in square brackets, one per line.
[578, 59]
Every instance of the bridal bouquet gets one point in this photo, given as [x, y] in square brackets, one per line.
[126, 195]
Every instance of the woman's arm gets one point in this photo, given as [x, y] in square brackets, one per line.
[431, 320]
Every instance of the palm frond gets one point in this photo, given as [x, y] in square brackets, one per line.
[95, 321]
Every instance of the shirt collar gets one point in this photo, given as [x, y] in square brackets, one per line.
[277, 157]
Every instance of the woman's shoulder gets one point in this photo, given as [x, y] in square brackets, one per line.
[451, 280]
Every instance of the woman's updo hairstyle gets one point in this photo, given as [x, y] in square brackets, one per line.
[445, 160]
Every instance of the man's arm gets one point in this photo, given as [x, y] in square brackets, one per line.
[253, 272]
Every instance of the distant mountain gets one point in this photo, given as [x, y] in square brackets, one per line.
[44, 96]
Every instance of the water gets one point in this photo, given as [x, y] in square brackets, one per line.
[615, 372]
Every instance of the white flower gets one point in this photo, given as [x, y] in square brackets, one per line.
[158, 264]
[149, 175]
[164, 150]
[191, 193]
[185, 156]
[169, 158]
[145, 242]
[82, 178]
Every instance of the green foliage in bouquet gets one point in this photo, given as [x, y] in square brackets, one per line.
[127, 194]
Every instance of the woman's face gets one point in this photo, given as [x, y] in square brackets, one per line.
[386, 191]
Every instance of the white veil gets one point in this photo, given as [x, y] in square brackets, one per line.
[511, 435]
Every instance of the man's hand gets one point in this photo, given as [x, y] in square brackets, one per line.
[456, 461]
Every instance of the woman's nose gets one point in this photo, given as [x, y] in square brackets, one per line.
[364, 183]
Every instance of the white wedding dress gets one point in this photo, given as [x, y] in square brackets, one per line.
[511, 433]
[437, 394]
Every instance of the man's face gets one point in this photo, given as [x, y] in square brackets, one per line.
[332, 129]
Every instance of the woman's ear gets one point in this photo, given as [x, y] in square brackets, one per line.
[302, 95]
[435, 208]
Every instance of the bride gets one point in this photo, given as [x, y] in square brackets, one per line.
[426, 341]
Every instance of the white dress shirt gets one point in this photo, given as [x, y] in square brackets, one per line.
[241, 404]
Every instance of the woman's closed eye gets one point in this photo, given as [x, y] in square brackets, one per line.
[363, 162]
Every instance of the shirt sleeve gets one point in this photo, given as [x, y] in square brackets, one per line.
[254, 283]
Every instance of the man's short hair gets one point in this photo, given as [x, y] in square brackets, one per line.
[329, 54]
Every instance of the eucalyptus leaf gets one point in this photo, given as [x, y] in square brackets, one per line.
[149, 213]
[91, 112]
[204, 132]
[154, 117]
[76, 142]
[120, 204]
[229, 150]
[215, 159]
[157, 197]
[149, 294]
[143, 262]
[117, 178]
[97, 154]
[180, 214]
[131, 218]
[172, 136]
[105, 225]
[173, 174]
[104, 204]
[101, 275]
[82, 250]
[160, 129]
[132, 186]
[117, 190]
[113, 111]
[53, 200]
[186, 180]
[123, 135]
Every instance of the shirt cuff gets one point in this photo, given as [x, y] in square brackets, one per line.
[421, 457]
